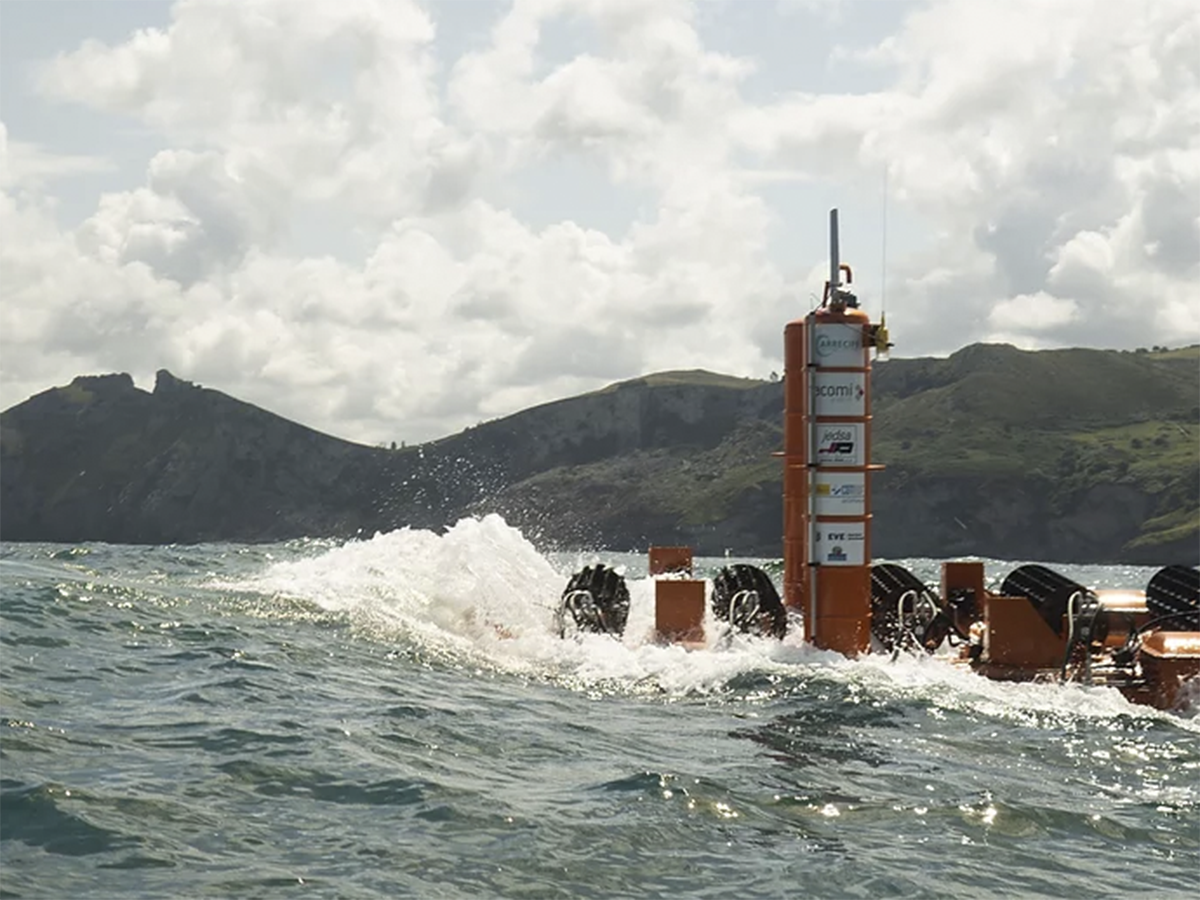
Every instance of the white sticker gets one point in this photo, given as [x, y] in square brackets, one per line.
[840, 493]
[840, 543]
[840, 444]
[839, 393]
[840, 346]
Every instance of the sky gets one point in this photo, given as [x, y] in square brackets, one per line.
[391, 220]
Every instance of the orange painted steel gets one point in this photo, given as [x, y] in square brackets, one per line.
[670, 560]
[1171, 665]
[960, 576]
[1018, 638]
[832, 588]
[845, 634]
[679, 610]
[968, 575]
[678, 602]
[1125, 612]
[1122, 601]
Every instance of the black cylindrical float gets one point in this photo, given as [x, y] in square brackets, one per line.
[744, 596]
[890, 583]
[1173, 595]
[1048, 591]
[595, 600]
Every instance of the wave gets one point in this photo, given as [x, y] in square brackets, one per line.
[482, 595]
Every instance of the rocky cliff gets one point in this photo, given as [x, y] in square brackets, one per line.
[1056, 455]
[101, 460]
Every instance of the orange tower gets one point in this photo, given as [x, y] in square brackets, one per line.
[827, 453]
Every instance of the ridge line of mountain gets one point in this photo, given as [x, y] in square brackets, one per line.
[1069, 455]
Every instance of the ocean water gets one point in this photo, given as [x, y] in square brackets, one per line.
[394, 717]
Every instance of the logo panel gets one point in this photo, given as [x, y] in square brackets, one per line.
[840, 543]
[839, 393]
[840, 346]
[840, 493]
[840, 445]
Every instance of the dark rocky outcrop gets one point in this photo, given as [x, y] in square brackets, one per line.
[102, 460]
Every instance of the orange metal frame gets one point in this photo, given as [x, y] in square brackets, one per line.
[834, 600]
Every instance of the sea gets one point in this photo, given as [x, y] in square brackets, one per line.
[396, 716]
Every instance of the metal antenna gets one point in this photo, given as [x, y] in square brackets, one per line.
[883, 258]
[835, 272]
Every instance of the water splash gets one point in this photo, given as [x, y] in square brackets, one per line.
[482, 595]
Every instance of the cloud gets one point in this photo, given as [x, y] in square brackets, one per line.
[193, 220]
[319, 100]
[1050, 153]
[459, 311]
[650, 102]
[1033, 312]
[63, 310]
[831, 10]
[28, 166]
[1033, 133]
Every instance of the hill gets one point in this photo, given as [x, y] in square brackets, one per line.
[1084, 448]
[1082, 455]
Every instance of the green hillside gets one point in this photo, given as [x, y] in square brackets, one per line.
[1070, 455]
[1069, 420]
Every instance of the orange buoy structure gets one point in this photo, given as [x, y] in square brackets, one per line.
[827, 453]
[1040, 625]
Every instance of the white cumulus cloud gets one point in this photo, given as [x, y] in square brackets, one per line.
[336, 220]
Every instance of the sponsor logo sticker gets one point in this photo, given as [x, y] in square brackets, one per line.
[840, 345]
[839, 445]
[839, 393]
[839, 543]
[840, 493]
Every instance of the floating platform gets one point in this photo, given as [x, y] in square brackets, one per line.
[1039, 626]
